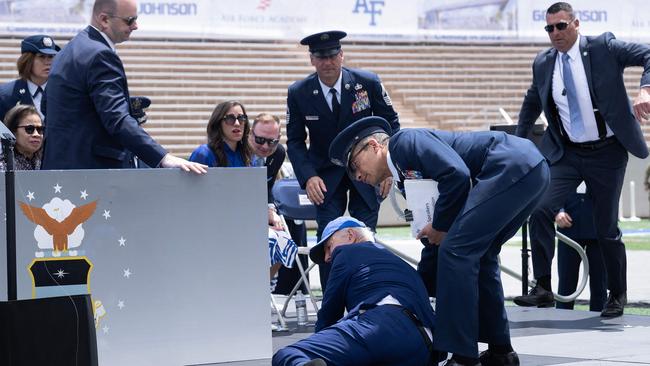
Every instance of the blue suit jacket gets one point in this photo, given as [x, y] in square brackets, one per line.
[579, 206]
[485, 162]
[89, 123]
[13, 93]
[364, 273]
[604, 59]
[307, 107]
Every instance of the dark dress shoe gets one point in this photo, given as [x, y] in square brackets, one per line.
[538, 296]
[453, 362]
[499, 359]
[614, 306]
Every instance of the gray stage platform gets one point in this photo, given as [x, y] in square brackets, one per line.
[551, 337]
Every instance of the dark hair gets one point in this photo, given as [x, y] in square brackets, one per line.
[16, 114]
[561, 6]
[265, 117]
[215, 134]
[24, 65]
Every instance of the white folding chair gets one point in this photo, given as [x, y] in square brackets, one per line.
[292, 203]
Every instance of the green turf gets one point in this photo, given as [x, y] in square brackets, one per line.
[632, 242]
[630, 309]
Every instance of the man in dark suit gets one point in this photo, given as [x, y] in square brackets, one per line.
[578, 84]
[264, 140]
[389, 320]
[326, 102]
[90, 123]
[488, 184]
[576, 220]
[34, 63]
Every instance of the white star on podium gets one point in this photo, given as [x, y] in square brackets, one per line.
[106, 214]
[30, 195]
[57, 188]
[122, 242]
[127, 273]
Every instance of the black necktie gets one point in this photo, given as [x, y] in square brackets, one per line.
[38, 91]
[336, 107]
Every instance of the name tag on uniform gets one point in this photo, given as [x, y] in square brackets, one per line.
[312, 118]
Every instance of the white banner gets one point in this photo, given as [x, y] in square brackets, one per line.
[455, 20]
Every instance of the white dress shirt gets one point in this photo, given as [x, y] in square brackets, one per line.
[582, 91]
[326, 91]
[33, 87]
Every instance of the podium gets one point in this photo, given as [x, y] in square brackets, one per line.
[54, 331]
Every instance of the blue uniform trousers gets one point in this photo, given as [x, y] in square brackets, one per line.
[335, 207]
[603, 171]
[383, 335]
[469, 302]
[568, 266]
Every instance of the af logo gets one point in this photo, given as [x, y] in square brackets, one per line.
[372, 7]
[60, 266]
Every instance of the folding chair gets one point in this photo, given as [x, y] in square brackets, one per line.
[292, 203]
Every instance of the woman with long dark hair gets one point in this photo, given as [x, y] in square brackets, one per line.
[227, 131]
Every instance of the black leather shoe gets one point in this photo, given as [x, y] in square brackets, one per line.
[614, 306]
[315, 362]
[499, 359]
[537, 296]
[453, 362]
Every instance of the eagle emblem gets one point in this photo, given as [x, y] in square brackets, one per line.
[58, 224]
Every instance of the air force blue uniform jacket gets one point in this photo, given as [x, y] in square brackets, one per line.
[489, 182]
[89, 122]
[362, 275]
[362, 95]
[13, 93]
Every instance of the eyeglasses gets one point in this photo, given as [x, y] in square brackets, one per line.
[231, 118]
[128, 20]
[29, 129]
[352, 167]
[263, 140]
[560, 26]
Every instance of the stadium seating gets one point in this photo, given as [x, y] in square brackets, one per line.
[453, 86]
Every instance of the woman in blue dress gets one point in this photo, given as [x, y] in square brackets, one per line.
[228, 131]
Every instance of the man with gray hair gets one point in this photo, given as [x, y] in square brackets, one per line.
[389, 320]
[90, 122]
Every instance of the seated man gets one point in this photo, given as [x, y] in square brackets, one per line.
[389, 321]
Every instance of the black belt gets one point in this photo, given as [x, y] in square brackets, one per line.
[433, 355]
[592, 145]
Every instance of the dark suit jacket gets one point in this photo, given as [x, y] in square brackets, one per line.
[581, 210]
[364, 273]
[604, 58]
[89, 123]
[485, 162]
[273, 164]
[307, 107]
[13, 93]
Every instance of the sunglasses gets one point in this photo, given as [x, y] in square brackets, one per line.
[560, 26]
[128, 20]
[231, 118]
[29, 129]
[263, 140]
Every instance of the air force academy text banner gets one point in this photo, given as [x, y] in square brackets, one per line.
[506, 20]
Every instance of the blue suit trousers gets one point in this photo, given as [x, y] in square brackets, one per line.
[469, 302]
[383, 335]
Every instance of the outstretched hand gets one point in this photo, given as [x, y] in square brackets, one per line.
[171, 161]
